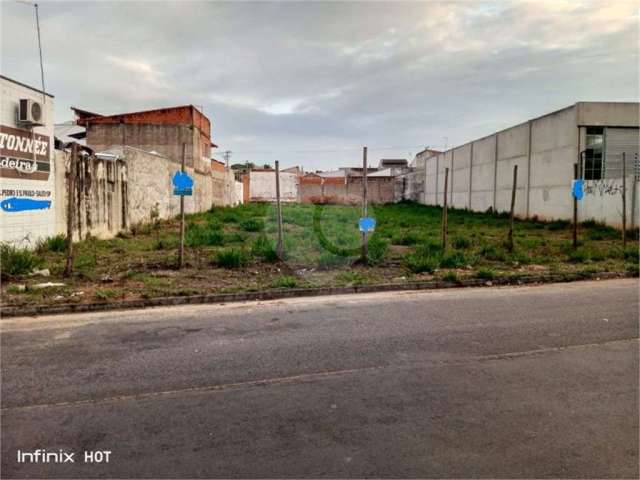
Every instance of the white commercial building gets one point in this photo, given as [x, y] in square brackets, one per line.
[27, 177]
[594, 135]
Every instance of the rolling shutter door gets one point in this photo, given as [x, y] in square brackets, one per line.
[617, 141]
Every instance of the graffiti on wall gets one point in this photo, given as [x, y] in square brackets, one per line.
[23, 200]
[603, 187]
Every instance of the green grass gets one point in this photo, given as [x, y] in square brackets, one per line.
[232, 258]
[56, 244]
[286, 281]
[264, 249]
[486, 274]
[16, 261]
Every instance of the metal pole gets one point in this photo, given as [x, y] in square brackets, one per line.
[40, 50]
[444, 211]
[280, 246]
[70, 209]
[182, 167]
[513, 204]
[575, 211]
[365, 239]
[624, 200]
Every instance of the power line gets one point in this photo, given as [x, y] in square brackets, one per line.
[358, 149]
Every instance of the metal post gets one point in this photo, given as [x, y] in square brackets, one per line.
[575, 210]
[280, 246]
[71, 183]
[624, 200]
[513, 204]
[182, 167]
[365, 239]
[444, 211]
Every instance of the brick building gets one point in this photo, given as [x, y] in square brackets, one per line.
[162, 131]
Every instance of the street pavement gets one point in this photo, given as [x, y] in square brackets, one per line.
[513, 382]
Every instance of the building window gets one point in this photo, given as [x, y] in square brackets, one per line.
[593, 155]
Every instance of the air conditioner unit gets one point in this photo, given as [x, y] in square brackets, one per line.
[30, 112]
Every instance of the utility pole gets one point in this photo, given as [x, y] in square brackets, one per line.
[576, 174]
[365, 239]
[445, 220]
[280, 246]
[182, 167]
[227, 156]
[71, 183]
[624, 200]
[513, 205]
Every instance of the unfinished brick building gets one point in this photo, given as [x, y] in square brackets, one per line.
[162, 130]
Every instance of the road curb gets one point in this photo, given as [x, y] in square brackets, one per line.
[274, 294]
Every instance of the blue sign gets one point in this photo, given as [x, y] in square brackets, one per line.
[14, 204]
[182, 184]
[367, 224]
[577, 189]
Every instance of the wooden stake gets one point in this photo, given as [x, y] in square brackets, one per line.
[365, 239]
[71, 183]
[182, 168]
[445, 227]
[280, 246]
[624, 200]
[575, 210]
[513, 204]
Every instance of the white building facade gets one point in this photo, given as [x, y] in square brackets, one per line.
[27, 177]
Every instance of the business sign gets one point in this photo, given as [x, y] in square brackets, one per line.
[182, 183]
[367, 224]
[24, 154]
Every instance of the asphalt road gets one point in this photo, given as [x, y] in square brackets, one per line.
[506, 382]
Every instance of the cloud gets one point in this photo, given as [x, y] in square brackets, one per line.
[310, 83]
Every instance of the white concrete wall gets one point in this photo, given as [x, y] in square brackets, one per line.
[27, 227]
[481, 172]
[262, 186]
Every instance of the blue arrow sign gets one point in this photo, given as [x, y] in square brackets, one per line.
[577, 189]
[367, 224]
[182, 183]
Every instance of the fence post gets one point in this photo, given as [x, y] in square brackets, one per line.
[634, 196]
[68, 269]
[444, 211]
[365, 239]
[280, 246]
[513, 204]
[624, 200]
[181, 253]
[575, 211]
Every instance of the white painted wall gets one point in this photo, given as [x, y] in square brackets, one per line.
[262, 186]
[26, 228]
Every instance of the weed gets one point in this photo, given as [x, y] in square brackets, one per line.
[328, 260]
[494, 253]
[351, 278]
[165, 243]
[57, 243]
[286, 281]
[453, 260]
[16, 261]
[486, 274]
[631, 254]
[252, 225]
[578, 256]
[236, 237]
[203, 235]
[264, 249]
[461, 243]
[377, 249]
[107, 294]
[419, 263]
[231, 258]
[405, 238]
[558, 225]
[450, 276]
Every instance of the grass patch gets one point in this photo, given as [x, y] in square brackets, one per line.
[450, 276]
[16, 261]
[198, 235]
[264, 249]
[486, 274]
[461, 243]
[55, 244]
[252, 225]
[232, 258]
[286, 281]
[378, 248]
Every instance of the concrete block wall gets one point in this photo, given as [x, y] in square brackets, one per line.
[262, 186]
[545, 150]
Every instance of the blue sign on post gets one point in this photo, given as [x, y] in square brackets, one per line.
[182, 183]
[367, 224]
[577, 188]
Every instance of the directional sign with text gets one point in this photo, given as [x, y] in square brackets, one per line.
[367, 224]
[182, 183]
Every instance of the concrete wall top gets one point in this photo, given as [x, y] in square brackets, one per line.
[611, 114]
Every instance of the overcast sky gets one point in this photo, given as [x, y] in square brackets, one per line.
[311, 83]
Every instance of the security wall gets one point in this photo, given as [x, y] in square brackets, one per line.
[545, 150]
